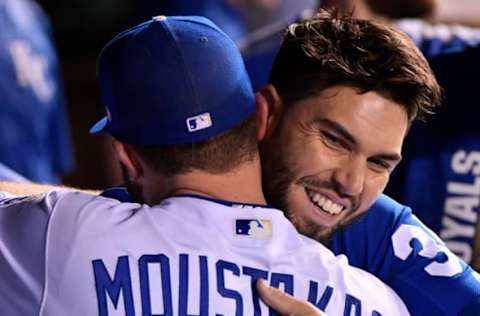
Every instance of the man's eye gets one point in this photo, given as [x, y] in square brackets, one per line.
[381, 164]
[333, 140]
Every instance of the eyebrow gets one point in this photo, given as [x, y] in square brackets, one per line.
[343, 132]
[391, 157]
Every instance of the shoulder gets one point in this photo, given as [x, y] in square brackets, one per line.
[394, 245]
[86, 202]
[388, 210]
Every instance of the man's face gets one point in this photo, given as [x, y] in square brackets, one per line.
[330, 157]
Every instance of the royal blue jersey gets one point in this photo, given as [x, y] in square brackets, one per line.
[33, 127]
[391, 243]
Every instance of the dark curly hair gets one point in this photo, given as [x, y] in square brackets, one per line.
[330, 49]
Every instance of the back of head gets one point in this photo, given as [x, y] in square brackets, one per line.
[176, 89]
[330, 49]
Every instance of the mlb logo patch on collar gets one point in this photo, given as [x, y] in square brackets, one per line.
[254, 228]
[199, 122]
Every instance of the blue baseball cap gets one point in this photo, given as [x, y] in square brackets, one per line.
[172, 80]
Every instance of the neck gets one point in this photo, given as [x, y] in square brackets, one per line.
[243, 185]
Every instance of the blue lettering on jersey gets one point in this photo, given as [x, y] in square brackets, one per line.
[350, 303]
[203, 285]
[183, 287]
[313, 294]
[255, 274]
[286, 280]
[121, 283]
[164, 262]
[221, 266]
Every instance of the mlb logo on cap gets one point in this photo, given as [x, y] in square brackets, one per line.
[199, 122]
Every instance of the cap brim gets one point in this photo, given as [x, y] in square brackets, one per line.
[100, 126]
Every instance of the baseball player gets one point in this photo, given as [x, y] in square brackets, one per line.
[34, 130]
[209, 234]
[354, 166]
[436, 164]
[405, 263]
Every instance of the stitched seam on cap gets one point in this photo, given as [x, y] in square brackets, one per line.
[182, 60]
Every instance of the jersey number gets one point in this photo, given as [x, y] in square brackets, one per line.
[402, 248]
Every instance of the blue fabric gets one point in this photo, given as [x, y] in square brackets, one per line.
[472, 309]
[7, 174]
[368, 244]
[33, 127]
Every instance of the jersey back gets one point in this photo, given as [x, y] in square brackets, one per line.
[185, 256]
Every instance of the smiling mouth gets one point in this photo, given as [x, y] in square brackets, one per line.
[324, 204]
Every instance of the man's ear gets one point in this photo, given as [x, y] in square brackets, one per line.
[130, 159]
[269, 111]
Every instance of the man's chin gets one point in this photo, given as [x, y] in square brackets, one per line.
[324, 235]
[317, 232]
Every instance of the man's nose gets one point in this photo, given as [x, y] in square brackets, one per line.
[349, 177]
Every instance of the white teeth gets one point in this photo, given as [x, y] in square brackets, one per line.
[336, 209]
[322, 201]
[325, 204]
[328, 206]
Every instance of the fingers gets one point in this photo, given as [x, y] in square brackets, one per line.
[284, 303]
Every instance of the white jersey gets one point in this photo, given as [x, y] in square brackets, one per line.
[71, 253]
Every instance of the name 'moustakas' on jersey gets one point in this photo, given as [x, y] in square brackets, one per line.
[71, 253]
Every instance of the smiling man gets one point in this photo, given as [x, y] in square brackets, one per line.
[341, 100]
[345, 101]
[327, 184]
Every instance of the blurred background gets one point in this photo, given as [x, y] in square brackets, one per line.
[81, 27]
